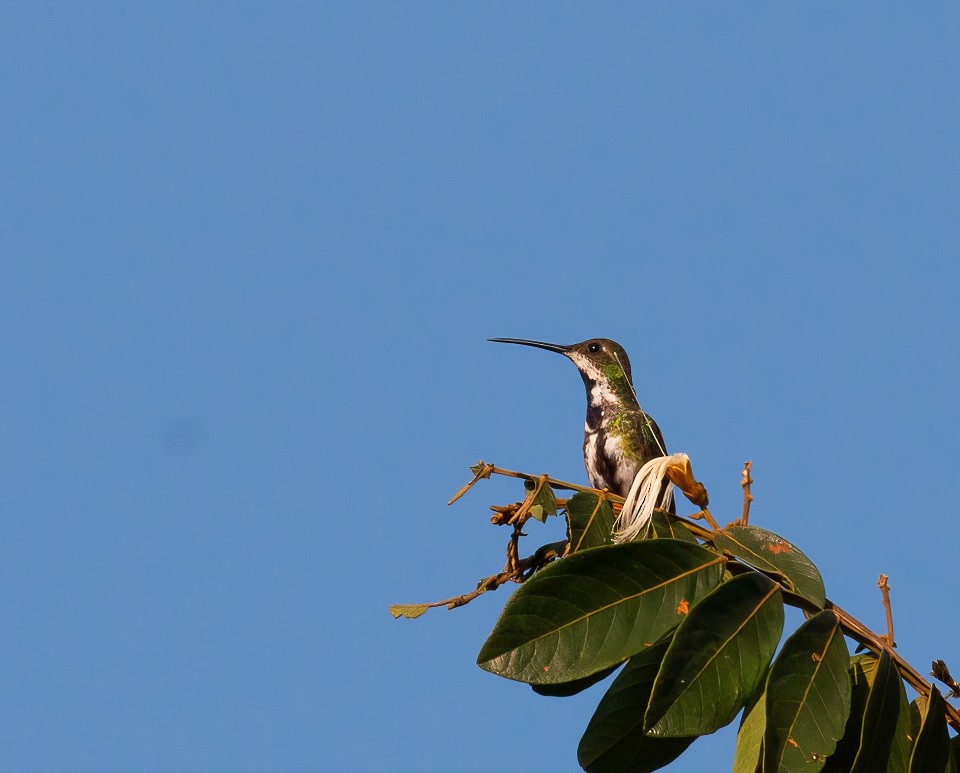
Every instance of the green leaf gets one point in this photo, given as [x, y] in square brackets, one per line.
[547, 499]
[953, 762]
[596, 608]
[880, 718]
[955, 752]
[877, 698]
[748, 756]
[614, 741]
[902, 745]
[544, 501]
[931, 752]
[769, 552]
[410, 611]
[916, 717]
[590, 521]
[808, 697]
[566, 689]
[717, 657]
[862, 669]
[664, 525]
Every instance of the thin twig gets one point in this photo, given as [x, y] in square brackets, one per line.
[554, 483]
[875, 643]
[483, 470]
[521, 570]
[705, 514]
[524, 512]
[885, 593]
[745, 481]
[513, 550]
[504, 513]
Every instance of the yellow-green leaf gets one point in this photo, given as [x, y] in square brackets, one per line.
[747, 757]
[411, 611]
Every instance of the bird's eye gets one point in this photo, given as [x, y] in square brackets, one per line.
[593, 348]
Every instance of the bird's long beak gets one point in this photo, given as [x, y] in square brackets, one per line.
[539, 344]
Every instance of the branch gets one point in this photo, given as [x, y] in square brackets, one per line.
[885, 593]
[483, 469]
[863, 635]
[520, 570]
[745, 481]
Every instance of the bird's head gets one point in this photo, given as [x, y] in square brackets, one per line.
[599, 360]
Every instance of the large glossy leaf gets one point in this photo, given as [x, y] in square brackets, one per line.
[614, 741]
[596, 608]
[871, 729]
[880, 717]
[717, 657]
[808, 697]
[566, 689]
[772, 553]
[590, 521]
[902, 745]
[748, 757]
[862, 669]
[931, 750]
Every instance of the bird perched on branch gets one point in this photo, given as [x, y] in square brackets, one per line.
[619, 436]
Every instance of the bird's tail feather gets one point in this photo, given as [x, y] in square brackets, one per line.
[647, 493]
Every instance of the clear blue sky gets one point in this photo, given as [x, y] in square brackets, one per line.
[249, 258]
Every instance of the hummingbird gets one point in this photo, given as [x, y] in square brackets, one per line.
[619, 436]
